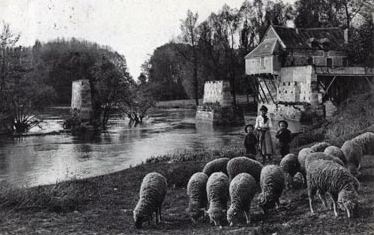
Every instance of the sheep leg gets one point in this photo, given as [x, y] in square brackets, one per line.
[247, 217]
[322, 197]
[158, 215]
[311, 193]
[334, 206]
[348, 212]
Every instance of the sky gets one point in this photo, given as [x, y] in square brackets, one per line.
[134, 28]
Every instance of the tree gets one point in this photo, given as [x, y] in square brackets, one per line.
[168, 72]
[190, 36]
[22, 90]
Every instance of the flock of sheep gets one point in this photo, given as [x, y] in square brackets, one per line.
[327, 170]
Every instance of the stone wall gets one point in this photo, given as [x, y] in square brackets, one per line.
[217, 92]
[81, 98]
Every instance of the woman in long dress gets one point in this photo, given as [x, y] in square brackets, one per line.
[263, 126]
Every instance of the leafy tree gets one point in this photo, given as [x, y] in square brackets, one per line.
[22, 90]
[191, 37]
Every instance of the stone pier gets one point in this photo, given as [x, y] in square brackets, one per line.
[81, 101]
[217, 108]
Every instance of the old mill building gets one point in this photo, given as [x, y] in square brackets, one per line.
[302, 74]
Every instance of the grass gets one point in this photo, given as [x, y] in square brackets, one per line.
[104, 204]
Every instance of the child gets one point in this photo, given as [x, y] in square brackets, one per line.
[285, 137]
[250, 142]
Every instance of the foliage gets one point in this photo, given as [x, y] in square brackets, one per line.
[23, 91]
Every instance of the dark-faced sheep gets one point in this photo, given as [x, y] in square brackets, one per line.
[272, 184]
[327, 176]
[244, 165]
[320, 147]
[217, 189]
[216, 165]
[242, 190]
[152, 193]
[196, 191]
[336, 152]
[290, 166]
[353, 153]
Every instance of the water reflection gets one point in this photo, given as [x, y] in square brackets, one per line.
[48, 159]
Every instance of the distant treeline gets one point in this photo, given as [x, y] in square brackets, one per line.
[214, 49]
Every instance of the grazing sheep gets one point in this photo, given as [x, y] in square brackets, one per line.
[336, 152]
[216, 165]
[244, 165]
[272, 185]
[353, 153]
[320, 147]
[290, 166]
[327, 176]
[242, 190]
[302, 156]
[152, 193]
[217, 189]
[319, 155]
[366, 141]
[196, 191]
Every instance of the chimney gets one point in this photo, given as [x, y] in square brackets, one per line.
[346, 35]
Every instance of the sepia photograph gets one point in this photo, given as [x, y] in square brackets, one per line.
[187, 117]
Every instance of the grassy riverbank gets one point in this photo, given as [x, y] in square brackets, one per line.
[104, 204]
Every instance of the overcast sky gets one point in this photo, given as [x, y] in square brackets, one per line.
[131, 27]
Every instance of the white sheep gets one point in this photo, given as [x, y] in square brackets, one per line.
[290, 166]
[217, 189]
[216, 165]
[242, 190]
[302, 156]
[353, 153]
[196, 191]
[320, 147]
[327, 176]
[366, 141]
[152, 193]
[272, 183]
[244, 165]
[321, 156]
[336, 152]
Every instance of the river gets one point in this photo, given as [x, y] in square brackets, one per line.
[39, 160]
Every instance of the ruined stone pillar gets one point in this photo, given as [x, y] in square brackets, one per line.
[81, 102]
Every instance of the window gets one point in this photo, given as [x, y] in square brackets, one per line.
[329, 62]
[262, 61]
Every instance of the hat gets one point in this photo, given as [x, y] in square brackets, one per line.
[263, 108]
[246, 127]
[284, 121]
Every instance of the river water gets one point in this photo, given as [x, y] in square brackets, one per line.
[38, 160]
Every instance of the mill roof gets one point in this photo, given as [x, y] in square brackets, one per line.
[299, 38]
[266, 47]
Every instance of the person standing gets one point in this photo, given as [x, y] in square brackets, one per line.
[250, 142]
[263, 126]
[284, 136]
